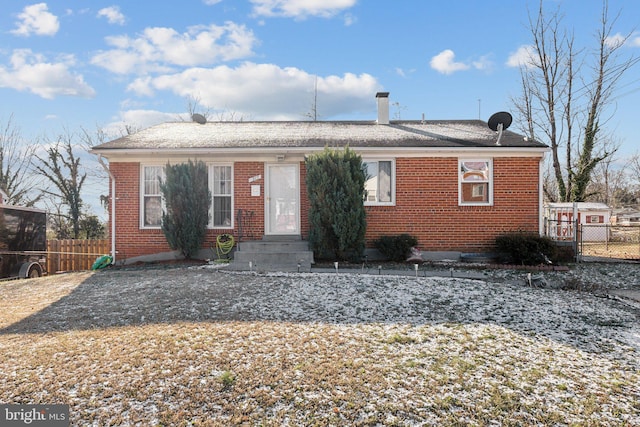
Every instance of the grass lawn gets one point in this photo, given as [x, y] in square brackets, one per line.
[185, 346]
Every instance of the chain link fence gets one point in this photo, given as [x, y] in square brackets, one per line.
[609, 241]
[596, 240]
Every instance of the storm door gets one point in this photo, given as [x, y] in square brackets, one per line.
[282, 199]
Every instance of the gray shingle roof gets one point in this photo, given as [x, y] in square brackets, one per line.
[238, 135]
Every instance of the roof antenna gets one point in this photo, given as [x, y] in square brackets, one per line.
[499, 122]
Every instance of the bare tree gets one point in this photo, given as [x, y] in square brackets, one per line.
[130, 129]
[609, 180]
[97, 174]
[194, 105]
[634, 165]
[563, 101]
[634, 170]
[61, 167]
[16, 156]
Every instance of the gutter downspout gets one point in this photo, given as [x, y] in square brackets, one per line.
[113, 208]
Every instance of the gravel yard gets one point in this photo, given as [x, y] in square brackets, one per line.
[192, 345]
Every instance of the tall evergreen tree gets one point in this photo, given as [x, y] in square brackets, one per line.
[187, 200]
[335, 186]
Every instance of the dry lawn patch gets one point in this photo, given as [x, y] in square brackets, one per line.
[192, 347]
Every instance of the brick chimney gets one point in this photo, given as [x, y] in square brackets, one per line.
[383, 108]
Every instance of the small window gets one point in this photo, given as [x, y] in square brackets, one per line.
[595, 219]
[151, 203]
[221, 185]
[475, 182]
[379, 186]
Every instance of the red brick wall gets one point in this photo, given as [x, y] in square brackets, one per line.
[131, 241]
[426, 206]
[252, 206]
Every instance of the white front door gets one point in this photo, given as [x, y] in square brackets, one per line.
[282, 199]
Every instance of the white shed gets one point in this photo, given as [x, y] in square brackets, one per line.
[594, 218]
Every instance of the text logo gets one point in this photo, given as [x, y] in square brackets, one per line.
[34, 415]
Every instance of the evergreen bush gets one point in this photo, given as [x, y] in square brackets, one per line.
[526, 248]
[396, 248]
[335, 186]
[187, 200]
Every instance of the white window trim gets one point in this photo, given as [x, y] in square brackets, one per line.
[489, 202]
[393, 181]
[210, 167]
[142, 194]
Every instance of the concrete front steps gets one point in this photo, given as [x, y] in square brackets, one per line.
[273, 253]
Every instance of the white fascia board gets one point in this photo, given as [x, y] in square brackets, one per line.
[266, 154]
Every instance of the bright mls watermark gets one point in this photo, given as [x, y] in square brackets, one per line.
[34, 415]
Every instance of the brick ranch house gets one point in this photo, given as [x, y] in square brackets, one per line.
[451, 184]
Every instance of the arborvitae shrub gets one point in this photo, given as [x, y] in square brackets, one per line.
[187, 200]
[335, 187]
[396, 248]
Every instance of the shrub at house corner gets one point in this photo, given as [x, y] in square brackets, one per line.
[187, 199]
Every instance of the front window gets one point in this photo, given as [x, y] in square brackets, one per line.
[221, 185]
[151, 205]
[475, 182]
[379, 185]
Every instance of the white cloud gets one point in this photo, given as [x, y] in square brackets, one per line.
[615, 41]
[31, 72]
[523, 57]
[142, 86]
[266, 91]
[36, 19]
[404, 73]
[618, 40]
[444, 63]
[113, 15]
[349, 19]
[483, 63]
[158, 49]
[301, 9]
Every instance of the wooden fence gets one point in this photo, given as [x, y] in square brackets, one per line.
[74, 255]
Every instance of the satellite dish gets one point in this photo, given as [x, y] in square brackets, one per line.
[499, 122]
[199, 118]
[502, 118]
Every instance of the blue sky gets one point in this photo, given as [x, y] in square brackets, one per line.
[72, 64]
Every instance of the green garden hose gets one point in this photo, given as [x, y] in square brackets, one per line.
[224, 245]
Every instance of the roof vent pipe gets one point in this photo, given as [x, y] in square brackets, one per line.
[383, 108]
